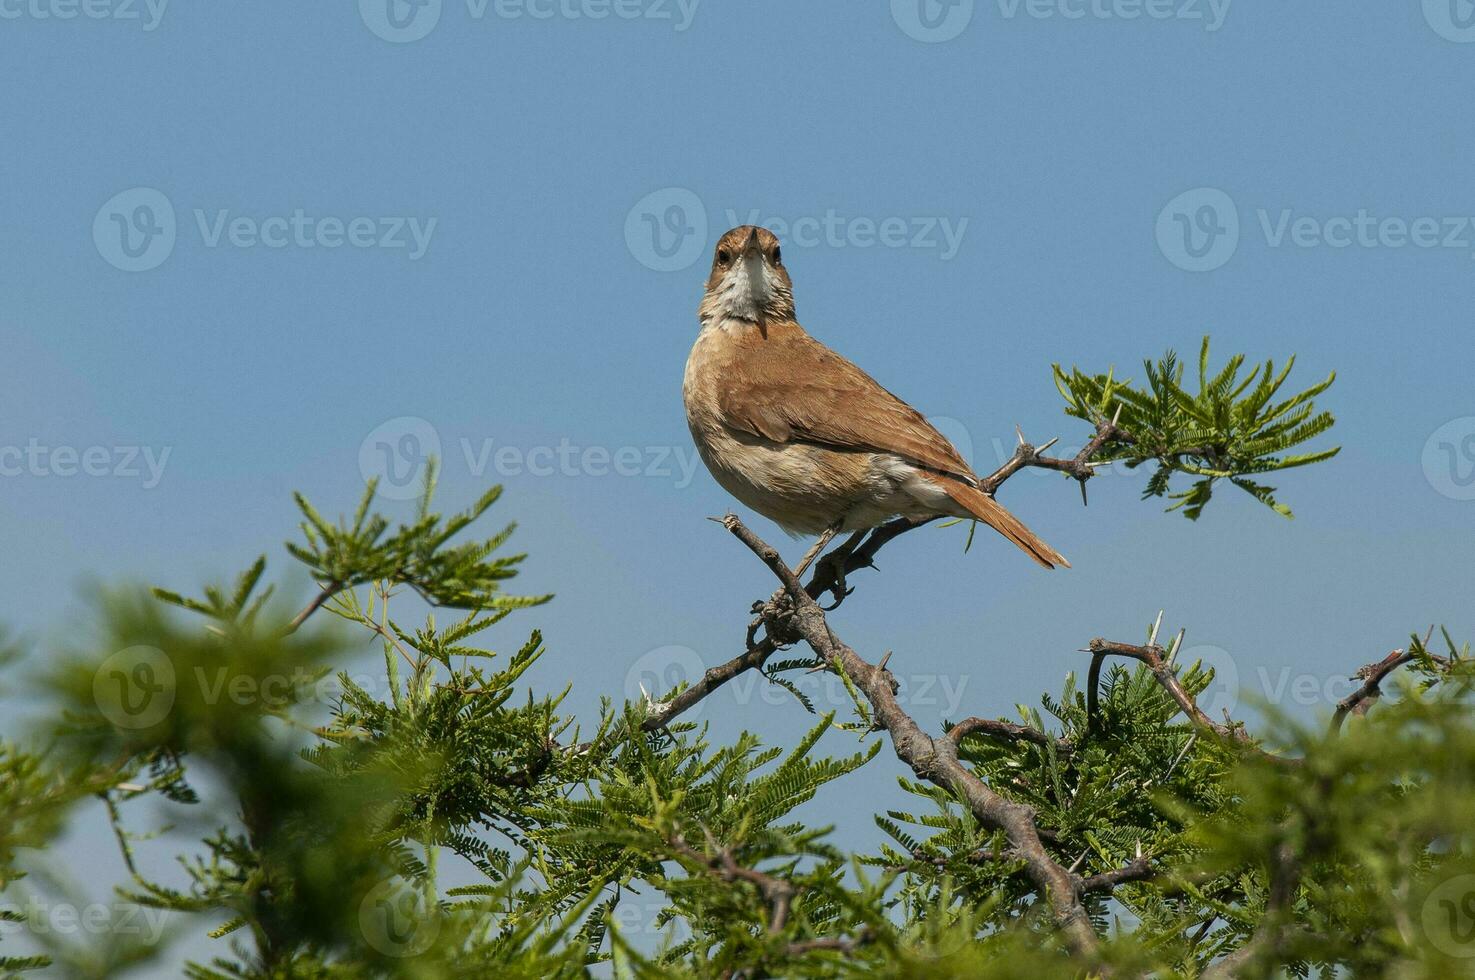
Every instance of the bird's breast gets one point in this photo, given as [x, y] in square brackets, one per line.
[802, 487]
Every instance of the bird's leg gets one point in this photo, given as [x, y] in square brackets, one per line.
[820, 545]
[831, 568]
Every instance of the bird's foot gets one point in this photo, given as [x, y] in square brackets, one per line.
[829, 574]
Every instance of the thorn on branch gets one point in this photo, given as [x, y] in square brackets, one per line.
[1152, 656]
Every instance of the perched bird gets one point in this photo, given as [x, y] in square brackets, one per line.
[802, 435]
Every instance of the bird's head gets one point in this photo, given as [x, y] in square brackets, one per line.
[748, 281]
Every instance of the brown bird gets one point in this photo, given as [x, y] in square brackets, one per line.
[802, 435]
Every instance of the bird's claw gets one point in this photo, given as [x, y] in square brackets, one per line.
[832, 570]
[840, 594]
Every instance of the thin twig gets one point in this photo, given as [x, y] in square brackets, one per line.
[327, 591]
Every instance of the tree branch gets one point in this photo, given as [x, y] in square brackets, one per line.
[934, 760]
[1138, 869]
[1271, 935]
[839, 944]
[1008, 731]
[1081, 466]
[776, 891]
[1151, 655]
[664, 712]
[1372, 676]
[327, 591]
[824, 580]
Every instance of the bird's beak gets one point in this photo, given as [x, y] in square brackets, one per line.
[751, 246]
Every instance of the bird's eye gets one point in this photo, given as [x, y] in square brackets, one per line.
[776, 255]
[723, 256]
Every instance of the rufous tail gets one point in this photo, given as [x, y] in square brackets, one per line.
[992, 513]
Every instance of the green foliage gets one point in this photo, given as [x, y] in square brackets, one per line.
[1231, 428]
[1097, 797]
[451, 821]
[417, 555]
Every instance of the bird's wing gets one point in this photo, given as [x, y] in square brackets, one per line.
[789, 387]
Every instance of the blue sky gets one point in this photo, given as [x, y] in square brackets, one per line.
[247, 248]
